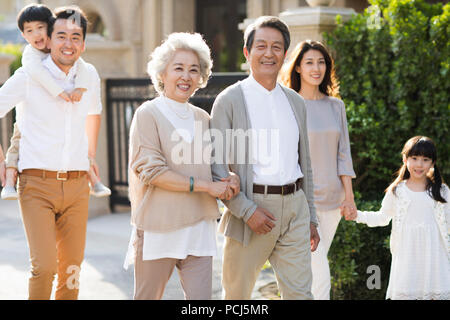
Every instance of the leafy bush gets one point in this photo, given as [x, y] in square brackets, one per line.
[15, 50]
[356, 247]
[393, 64]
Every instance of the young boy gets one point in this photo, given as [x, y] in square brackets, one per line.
[33, 21]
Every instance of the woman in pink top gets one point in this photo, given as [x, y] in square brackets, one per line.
[310, 72]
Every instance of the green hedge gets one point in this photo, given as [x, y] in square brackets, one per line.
[393, 64]
[15, 50]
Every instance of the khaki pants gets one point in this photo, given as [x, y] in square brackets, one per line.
[287, 247]
[54, 215]
[151, 276]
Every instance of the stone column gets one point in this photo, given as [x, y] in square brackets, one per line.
[310, 22]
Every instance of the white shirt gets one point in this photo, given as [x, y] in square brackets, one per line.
[53, 135]
[196, 240]
[32, 62]
[275, 135]
[169, 108]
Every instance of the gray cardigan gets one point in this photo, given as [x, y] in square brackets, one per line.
[230, 112]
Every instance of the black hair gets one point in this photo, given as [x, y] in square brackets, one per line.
[73, 13]
[267, 22]
[291, 78]
[35, 12]
[421, 146]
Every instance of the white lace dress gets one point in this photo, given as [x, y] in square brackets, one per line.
[420, 266]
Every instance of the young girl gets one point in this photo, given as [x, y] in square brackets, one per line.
[417, 203]
[310, 72]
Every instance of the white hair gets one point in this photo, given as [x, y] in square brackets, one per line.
[161, 56]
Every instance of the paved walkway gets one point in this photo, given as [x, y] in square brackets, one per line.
[102, 275]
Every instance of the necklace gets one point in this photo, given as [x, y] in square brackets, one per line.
[184, 115]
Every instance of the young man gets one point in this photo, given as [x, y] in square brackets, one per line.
[33, 21]
[53, 158]
[273, 217]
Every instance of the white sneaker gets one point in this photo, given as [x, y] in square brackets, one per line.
[100, 190]
[9, 193]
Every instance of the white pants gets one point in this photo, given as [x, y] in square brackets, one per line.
[321, 280]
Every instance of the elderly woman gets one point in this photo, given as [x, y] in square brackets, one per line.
[173, 198]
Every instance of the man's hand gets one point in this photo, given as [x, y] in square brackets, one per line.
[261, 222]
[315, 238]
[2, 172]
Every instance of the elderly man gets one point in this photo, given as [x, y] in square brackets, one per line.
[53, 159]
[273, 217]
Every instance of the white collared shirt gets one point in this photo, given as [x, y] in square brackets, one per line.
[53, 135]
[276, 138]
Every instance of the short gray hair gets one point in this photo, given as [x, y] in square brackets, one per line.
[161, 56]
[267, 22]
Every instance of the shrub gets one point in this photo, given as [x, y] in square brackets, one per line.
[15, 50]
[356, 247]
[393, 64]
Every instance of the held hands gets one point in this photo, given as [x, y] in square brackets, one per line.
[348, 210]
[233, 187]
[64, 95]
[217, 189]
[75, 96]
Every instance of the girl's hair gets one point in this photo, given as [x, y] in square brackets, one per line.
[291, 78]
[421, 146]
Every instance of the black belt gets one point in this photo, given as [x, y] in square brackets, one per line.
[283, 190]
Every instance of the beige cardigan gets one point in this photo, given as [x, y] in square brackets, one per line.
[152, 152]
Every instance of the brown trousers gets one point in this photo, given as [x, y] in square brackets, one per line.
[54, 215]
[151, 276]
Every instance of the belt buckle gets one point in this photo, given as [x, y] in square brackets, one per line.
[59, 178]
[282, 190]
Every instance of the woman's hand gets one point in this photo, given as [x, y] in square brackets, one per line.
[217, 189]
[234, 186]
[348, 209]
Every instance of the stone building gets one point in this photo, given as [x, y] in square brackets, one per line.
[122, 34]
